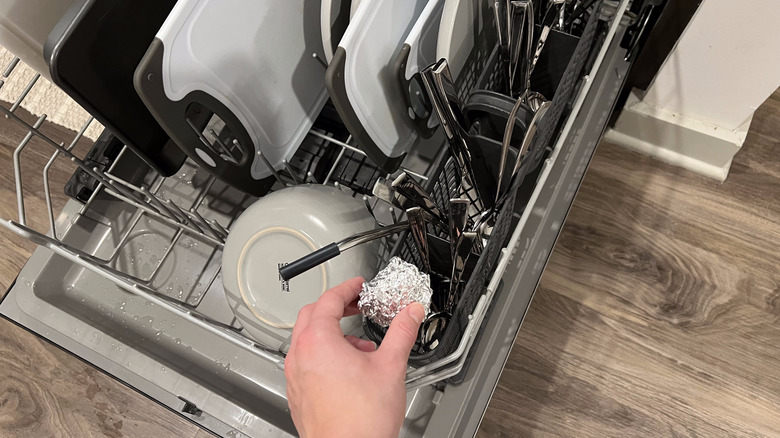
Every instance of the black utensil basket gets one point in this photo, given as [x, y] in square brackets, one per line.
[483, 71]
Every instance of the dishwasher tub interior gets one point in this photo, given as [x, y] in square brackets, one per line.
[130, 280]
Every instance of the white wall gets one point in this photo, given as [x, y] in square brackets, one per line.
[697, 111]
[725, 65]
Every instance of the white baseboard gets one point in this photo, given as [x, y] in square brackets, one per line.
[661, 153]
[698, 146]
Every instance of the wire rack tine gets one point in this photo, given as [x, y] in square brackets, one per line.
[335, 164]
[217, 226]
[46, 186]
[164, 218]
[47, 193]
[290, 171]
[18, 167]
[204, 224]
[26, 91]
[100, 185]
[34, 130]
[10, 68]
[269, 166]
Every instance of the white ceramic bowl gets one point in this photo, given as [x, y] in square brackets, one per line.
[281, 228]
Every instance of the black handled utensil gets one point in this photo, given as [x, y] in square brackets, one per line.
[328, 252]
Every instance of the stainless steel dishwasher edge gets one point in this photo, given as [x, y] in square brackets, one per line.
[188, 369]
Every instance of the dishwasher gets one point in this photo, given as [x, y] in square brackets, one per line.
[128, 275]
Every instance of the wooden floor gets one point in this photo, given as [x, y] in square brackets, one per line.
[658, 312]
[657, 315]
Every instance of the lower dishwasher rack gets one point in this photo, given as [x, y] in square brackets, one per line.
[193, 361]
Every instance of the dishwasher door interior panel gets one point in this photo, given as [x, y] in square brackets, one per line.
[175, 339]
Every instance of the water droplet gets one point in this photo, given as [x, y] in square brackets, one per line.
[27, 283]
[178, 341]
[164, 370]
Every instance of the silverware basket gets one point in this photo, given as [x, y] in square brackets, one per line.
[484, 73]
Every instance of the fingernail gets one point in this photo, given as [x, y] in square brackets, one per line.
[417, 312]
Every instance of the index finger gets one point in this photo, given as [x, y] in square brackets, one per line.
[332, 303]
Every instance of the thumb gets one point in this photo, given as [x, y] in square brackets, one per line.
[402, 334]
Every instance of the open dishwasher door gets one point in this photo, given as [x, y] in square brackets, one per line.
[460, 408]
[170, 334]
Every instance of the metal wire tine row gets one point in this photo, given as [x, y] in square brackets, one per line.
[163, 209]
[347, 147]
[170, 213]
[148, 202]
[46, 186]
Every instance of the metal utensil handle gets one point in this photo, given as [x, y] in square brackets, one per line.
[529, 47]
[508, 131]
[368, 236]
[530, 136]
[420, 236]
[412, 190]
[438, 84]
[463, 251]
[458, 216]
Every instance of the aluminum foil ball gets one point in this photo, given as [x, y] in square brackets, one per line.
[394, 287]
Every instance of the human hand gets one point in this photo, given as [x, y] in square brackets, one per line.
[340, 385]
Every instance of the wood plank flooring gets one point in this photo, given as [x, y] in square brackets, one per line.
[44, 391]
[657, 315]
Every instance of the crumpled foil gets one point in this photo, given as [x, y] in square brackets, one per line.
[394, 287]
